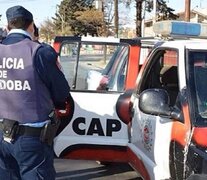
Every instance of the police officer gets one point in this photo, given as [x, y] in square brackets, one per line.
[3, 34]
[31, 85]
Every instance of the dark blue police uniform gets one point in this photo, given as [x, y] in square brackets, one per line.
[44, 63]
[26, 157]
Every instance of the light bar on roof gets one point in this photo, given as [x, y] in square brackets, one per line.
[180, 28]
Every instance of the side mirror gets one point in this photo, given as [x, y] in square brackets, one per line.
[157, 102]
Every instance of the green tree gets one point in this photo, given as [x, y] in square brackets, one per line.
[111, 14]
[108, 16]
[163, 12]
[61, 18]
[47, 30]
[79, 16]
[91, 21]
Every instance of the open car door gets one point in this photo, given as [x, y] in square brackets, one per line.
[97, 128]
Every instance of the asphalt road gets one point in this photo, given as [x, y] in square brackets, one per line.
[83, 170]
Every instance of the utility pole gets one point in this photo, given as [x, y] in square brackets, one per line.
[154, 11]
[116, 17]
[105, 28]
[187, 10]
[143, 19]
[139, 18]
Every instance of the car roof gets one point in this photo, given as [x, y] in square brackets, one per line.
[189, 44]
[98, 40]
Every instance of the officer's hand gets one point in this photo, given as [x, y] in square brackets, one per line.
[63, 112]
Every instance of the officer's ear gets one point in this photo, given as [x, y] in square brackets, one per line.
[8, 28]
[30, 29]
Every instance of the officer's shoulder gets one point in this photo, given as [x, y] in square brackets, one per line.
[47, 50]
[47, 46]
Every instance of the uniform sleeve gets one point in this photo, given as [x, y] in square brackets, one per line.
[52, 76]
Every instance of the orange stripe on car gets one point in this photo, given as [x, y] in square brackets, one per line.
[180, 130]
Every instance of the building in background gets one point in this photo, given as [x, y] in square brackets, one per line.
[198, 15]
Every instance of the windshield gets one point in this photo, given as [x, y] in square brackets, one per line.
[198, 84]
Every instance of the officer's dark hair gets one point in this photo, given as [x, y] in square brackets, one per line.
[36, 31]
[19, 23]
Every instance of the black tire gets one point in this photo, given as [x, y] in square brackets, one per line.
[176, 161]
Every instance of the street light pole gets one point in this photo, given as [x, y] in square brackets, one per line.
[187, 10]
[154, 11]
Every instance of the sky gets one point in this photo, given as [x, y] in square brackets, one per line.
[179, 5]
[41, 9]
[44, 9]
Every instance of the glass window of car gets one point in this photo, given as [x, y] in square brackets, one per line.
[85, 63]
[118, 75]
[198, 84]
[161, 72]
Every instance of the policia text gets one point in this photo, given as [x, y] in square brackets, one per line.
[7, 84]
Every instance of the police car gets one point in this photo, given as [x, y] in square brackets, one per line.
[169, 122]
[160, 130]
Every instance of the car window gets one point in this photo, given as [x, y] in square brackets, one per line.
[162, 73]
[84, 64]
[118, 73]
[197, 71]
[113, 60]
